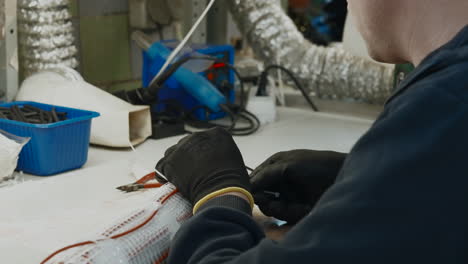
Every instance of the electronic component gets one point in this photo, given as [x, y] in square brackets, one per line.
[219, 75]
[166, 70]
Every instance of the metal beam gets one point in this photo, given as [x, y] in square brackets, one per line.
[8, 50]
[217, 24]
[193, 10]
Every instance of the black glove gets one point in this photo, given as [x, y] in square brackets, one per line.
[299, 177]
[204, 163]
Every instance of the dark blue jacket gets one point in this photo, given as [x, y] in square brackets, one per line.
[401, 197]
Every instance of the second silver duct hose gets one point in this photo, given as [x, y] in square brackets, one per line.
[329, 72]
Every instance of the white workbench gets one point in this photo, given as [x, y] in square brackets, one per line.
[44, 214]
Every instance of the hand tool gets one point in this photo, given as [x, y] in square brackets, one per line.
[142, 183]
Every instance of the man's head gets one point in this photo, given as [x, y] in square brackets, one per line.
[407, 30]
[377, 22]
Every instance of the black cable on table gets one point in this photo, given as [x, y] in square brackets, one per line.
[263, 80]
[233, 113]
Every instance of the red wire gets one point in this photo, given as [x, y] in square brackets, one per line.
[165, 255]
[146, 221]
[66, 248]
[169, 196]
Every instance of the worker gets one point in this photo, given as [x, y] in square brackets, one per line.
[399, 196]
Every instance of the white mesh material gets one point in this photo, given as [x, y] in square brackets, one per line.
[147, 245]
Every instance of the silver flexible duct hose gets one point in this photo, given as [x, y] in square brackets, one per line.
[329, 72]
[45, 35]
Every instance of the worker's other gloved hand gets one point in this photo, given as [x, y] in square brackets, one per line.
[204, 165]
[300, 177]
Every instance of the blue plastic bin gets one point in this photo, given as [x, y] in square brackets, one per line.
[53, 148]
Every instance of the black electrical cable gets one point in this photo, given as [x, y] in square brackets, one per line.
[234, 112]
[254, 122]
[232, 116]
[243, 100]
[263, 80]
[251, 128]
[241, 112]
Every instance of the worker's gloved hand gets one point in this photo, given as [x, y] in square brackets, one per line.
[204, 165]
[299, 177]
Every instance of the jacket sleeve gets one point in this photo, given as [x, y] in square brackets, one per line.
[400, 198]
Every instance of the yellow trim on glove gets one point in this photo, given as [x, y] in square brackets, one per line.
[221, 192]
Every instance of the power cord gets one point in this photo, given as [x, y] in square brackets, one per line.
[264, 79]
[234, 112]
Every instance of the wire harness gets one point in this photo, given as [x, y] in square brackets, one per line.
[142, 237]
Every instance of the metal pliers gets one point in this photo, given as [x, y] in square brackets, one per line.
[142, 183]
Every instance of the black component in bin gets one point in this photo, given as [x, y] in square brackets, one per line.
[32, 115]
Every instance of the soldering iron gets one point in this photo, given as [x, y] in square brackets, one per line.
[194, 93]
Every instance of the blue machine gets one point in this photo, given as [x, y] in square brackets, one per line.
[192, 91]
